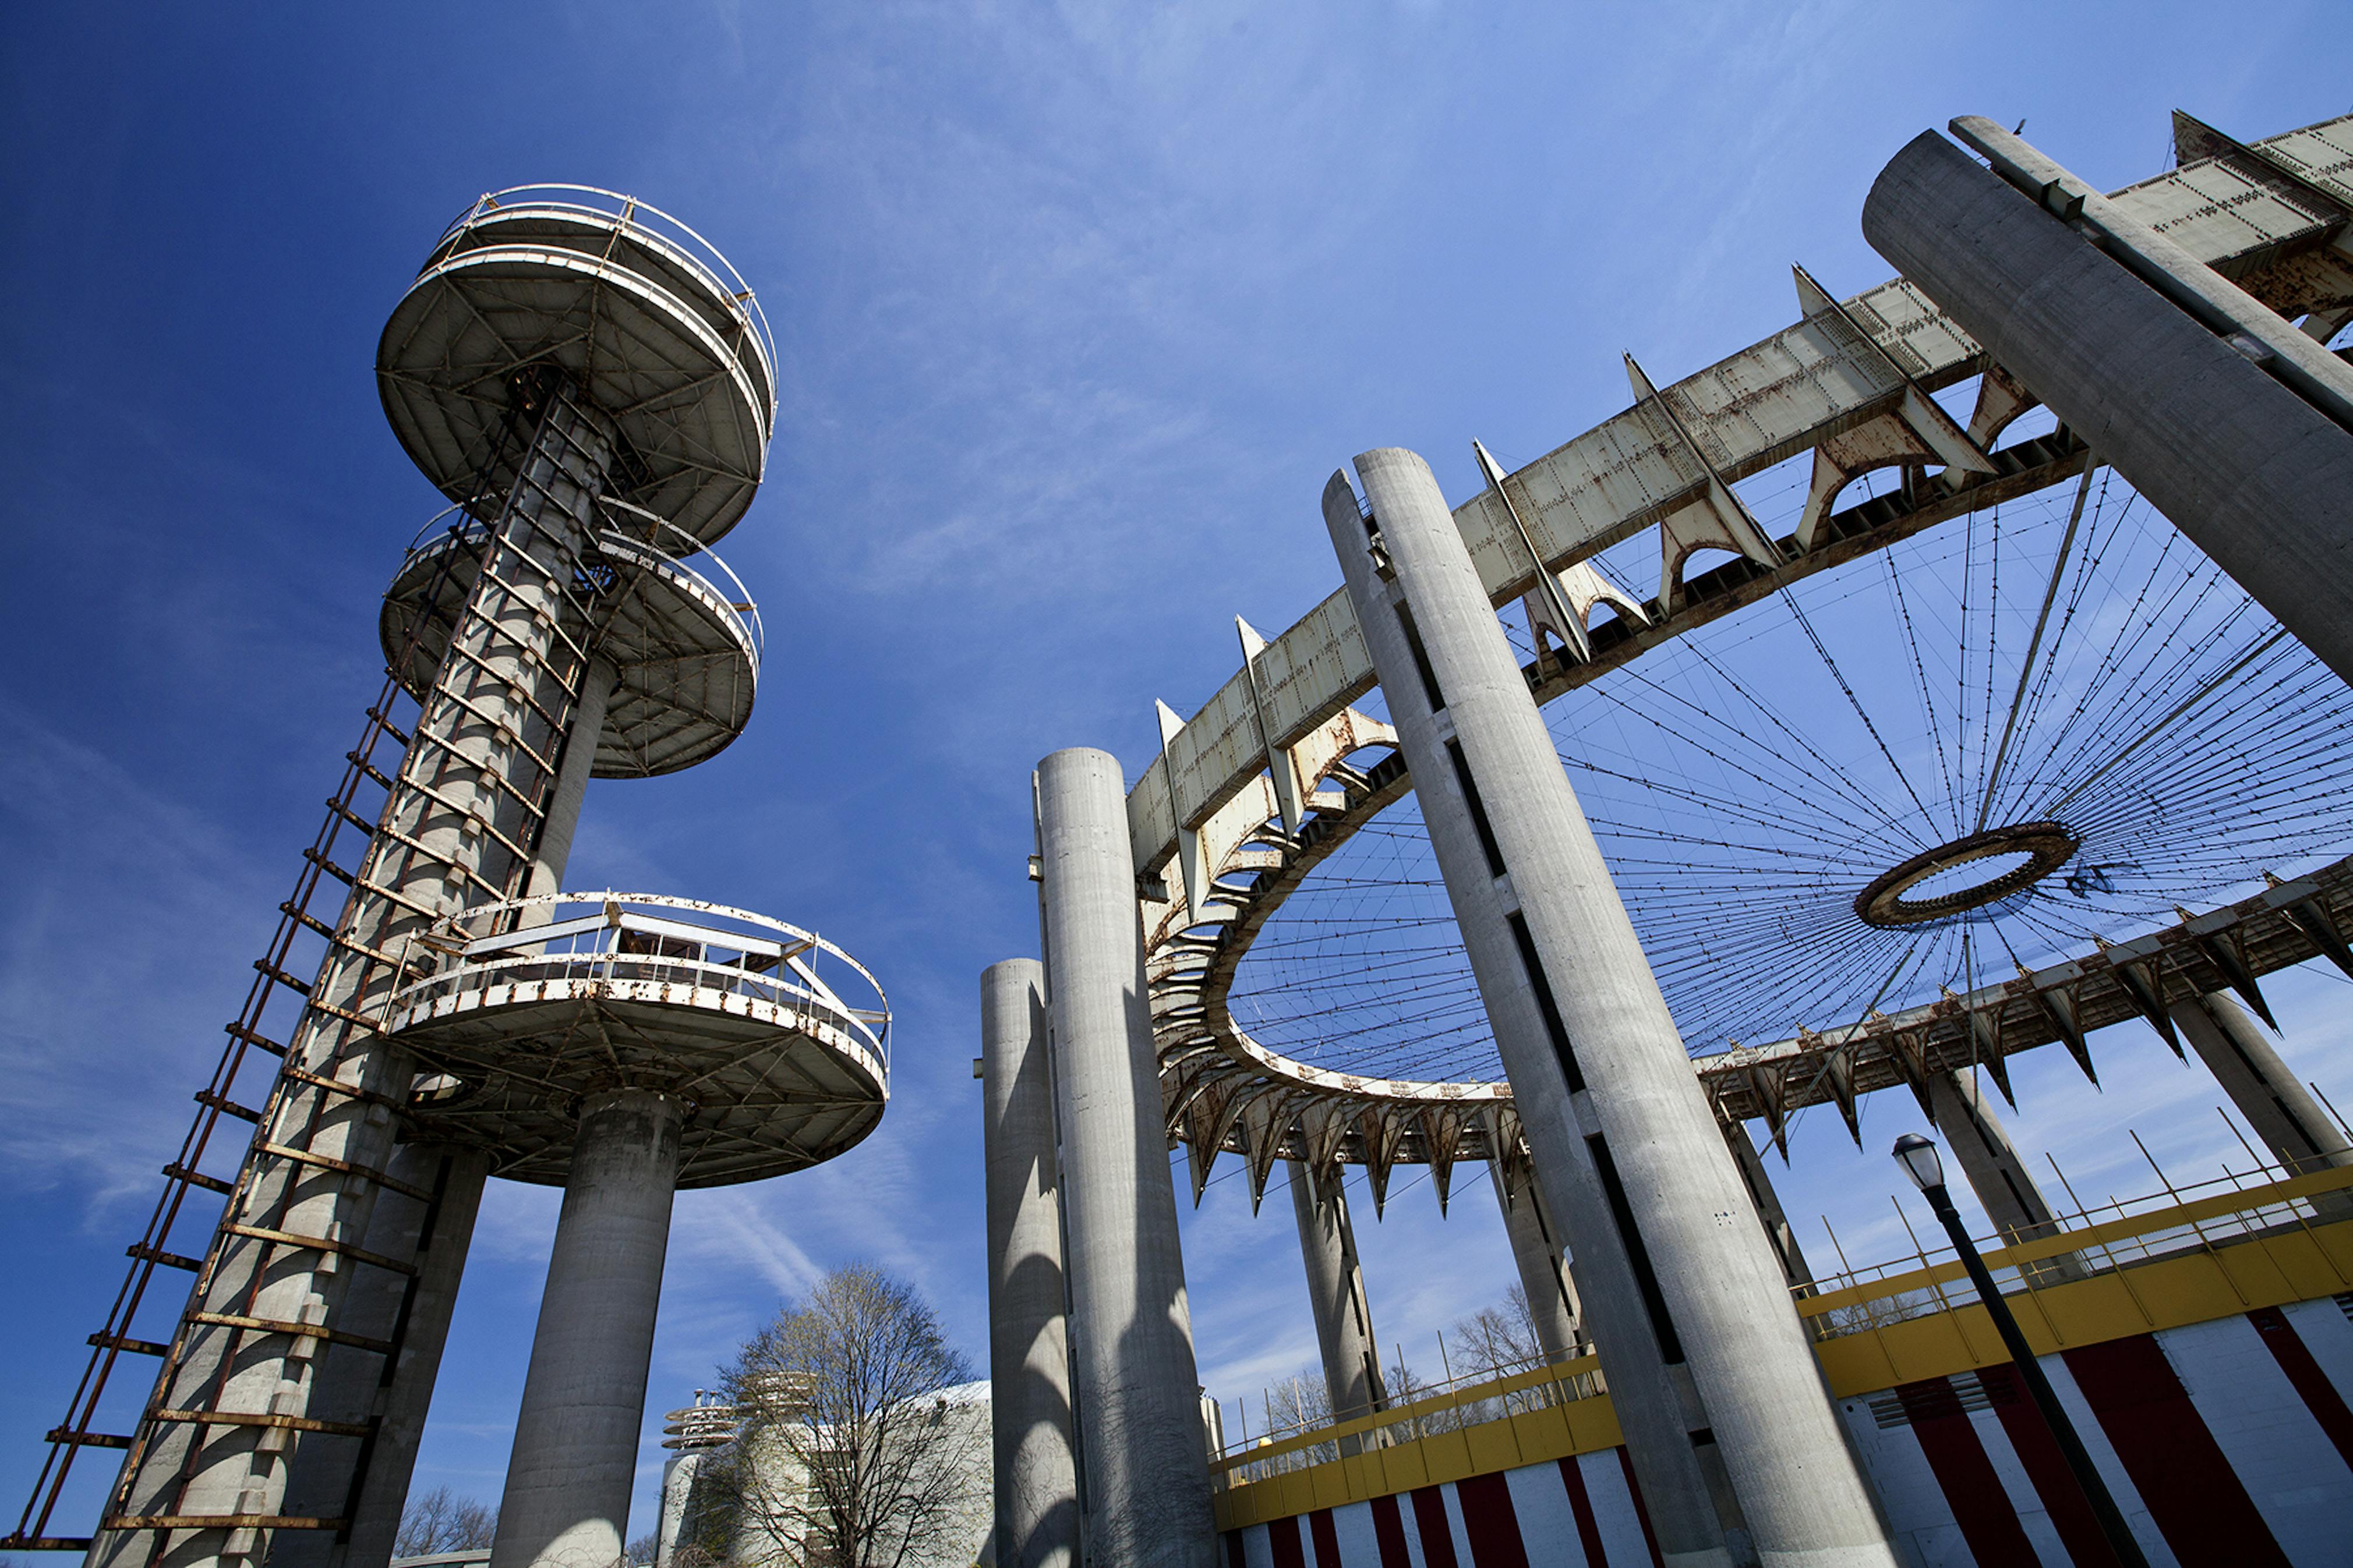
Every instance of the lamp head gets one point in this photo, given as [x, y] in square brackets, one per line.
[1917, 1155]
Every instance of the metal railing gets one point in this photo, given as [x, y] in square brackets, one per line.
[653, 228]
[1417, 1411]
[2101, 1238]
[624, 937]
[639, 537]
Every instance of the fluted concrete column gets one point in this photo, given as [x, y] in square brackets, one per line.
[1146, 1498]
[1998, 1174]
[2284, 1114]
[1028, 1351]
[1335, 1291]
[2259, 477]
[1544, 1278]
[1769, 1213]
[566, 1503]
[1674, 1267]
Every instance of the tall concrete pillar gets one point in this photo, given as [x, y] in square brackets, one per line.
[1029, 1350]
[566, 1503]
[677, 1489]
[1335, 1291]
[435, 1233]
[2006, 1189]
[1147, 1485]
[1684, 1298]
[2284, 1114]
[1544, 1278]
[554, 849]
[2256, 474]
[500, 700]
[432, 1225]
[1795, 1271]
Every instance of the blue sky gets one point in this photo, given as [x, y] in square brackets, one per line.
[1077, 308]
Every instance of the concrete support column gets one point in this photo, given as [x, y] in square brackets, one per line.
[566, 1503]
[572, 770]
[2258, 477]
[370, 1487]
[2006, 1189]
[1777, 1230]
[1684, 1298]
[1029, 1349]
[494, 708]
[415, 1310]
[2284, 1114]
[1335, 1291]
[1146, 1501]
[1545, 1278]
[677, 1489]
[456, 1177]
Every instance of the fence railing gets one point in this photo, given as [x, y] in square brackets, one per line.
[2100, 1239]
[1472, 1399]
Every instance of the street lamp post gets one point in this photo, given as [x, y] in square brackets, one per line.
[1917, 1155]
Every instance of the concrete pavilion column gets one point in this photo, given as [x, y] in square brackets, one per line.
[1146, 1501]
[1683, 1294]
[1544, 1278]
[1795, 1271]
[2284, 1114]
[1335, 1291]
[1998, 1174]
[566, 1503]
[1029, 1349]
[2256, 474]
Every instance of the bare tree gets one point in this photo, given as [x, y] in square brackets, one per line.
[641, 1552]
[441, 1521]
[849, 1455]
[1301, 1403]
[1497, 1340]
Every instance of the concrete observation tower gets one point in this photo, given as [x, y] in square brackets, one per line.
[591, 385]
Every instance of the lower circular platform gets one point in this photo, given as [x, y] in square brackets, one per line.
[776, 1040]
[687, 654]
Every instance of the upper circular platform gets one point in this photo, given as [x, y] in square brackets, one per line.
[776, 1039]
[658, 330]
[687, 652]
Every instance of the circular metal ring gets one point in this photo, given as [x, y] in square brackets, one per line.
[2047, 845]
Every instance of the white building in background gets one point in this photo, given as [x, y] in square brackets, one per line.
[701, 1497]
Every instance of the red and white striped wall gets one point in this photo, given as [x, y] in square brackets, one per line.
[1580, 1510]
[2227, 1444]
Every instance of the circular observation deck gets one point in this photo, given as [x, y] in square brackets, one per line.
[687, 652]
[777, 1039]
[699, 1426]
[659, 331]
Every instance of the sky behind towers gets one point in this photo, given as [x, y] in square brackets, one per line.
[1077, 307]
